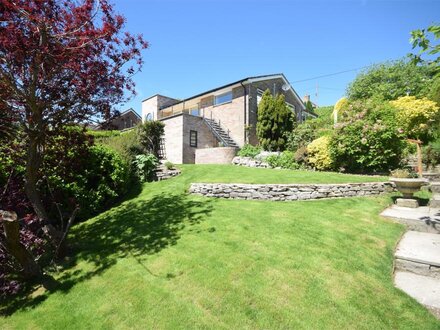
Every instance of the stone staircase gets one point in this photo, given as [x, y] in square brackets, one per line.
[221, 135]
[417, 258]
[435, 200]
[163, 173]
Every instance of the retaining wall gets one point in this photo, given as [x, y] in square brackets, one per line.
[289, 192]
[220, 155]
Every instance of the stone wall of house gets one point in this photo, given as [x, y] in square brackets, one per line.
[173, 139]
[221, 155]
[127, 120]
[230, 114]
[153, 104]
[289, 192]
[205, 138]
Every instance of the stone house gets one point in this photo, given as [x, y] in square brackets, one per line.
[127, 119]
[208, 127]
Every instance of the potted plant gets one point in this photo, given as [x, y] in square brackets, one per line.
[406, 182]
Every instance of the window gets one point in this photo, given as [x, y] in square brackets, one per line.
[223, 98]
[194, 111]
[259, 95]
[193, 139]
[148, 117]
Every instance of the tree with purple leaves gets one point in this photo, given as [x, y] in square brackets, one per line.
[61, 62]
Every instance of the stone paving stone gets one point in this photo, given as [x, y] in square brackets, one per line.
[426, 290]
[419, 247]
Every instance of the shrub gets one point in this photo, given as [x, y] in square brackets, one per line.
[102, 134]
[391, 80]
[340, 109]
[319, 154]
[417, 117]
[150, 134]
[81, 173]
[169, 165]
[249, 150]
[145, 166]
[93, 179]
[301, 135]
[431, 153]
[369, 140]
[403, 173]
[285, 160]
[301, 155]
[125, 143]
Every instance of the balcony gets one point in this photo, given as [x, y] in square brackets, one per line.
[189, 107]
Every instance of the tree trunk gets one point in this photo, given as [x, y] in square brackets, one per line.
[14, 246]
[32, 168]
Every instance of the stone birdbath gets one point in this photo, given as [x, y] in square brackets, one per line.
[408, 186]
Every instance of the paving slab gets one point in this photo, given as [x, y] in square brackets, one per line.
[422, 218]
[419, 247]
[435, 201]
[426, 290]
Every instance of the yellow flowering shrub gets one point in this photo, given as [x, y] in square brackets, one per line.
[319, 155]
[416, 116]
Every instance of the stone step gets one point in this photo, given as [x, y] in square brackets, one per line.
[435, 201]
[424, 289]
[421, 219]
[435, 187]
[422, 248]
[417, 268]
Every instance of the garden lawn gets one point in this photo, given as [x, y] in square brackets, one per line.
[241, 174]
[168, 260]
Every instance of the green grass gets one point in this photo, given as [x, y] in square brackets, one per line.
[240, 174]
[168, 260]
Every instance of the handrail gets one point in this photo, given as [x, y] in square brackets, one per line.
[214, 131]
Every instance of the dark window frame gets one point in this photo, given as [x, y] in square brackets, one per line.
[193, 137]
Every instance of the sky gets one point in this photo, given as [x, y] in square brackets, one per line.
[197, 45]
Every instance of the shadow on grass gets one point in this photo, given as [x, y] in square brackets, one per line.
[423, 201]
[134, 228]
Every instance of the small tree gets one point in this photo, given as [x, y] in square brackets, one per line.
[150, 134]
[417, 117]
[275, 120]
[61, 62]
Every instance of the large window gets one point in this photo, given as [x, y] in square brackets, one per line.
[193, 139]
[223, 98]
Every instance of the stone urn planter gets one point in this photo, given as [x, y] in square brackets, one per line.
[408, 186]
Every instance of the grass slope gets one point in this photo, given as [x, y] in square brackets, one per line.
[240, 174]
[167, 260]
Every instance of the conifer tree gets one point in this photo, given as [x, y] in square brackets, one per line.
[275, 120]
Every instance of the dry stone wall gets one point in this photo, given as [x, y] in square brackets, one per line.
[289, 192]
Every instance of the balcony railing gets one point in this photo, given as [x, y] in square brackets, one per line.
[183, 107]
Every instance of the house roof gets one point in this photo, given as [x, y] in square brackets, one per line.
[244, 81]
[130, 110]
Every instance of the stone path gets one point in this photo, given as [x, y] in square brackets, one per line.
[417, 256]
[417, 268]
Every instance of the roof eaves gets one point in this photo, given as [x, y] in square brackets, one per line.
[131, 109]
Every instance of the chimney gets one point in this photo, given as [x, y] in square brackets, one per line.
[306, 98]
